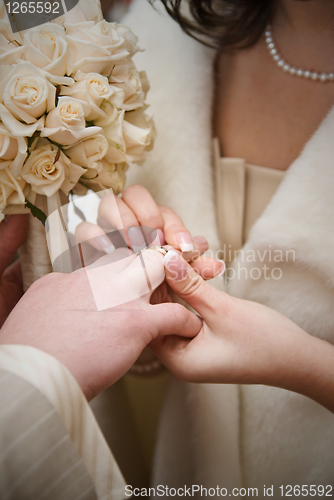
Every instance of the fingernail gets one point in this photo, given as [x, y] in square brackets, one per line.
[222, 269]
[185, 242]
[105, 244]
[136, 238]
[175, 265]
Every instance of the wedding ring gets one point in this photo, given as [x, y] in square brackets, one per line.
[162, 250]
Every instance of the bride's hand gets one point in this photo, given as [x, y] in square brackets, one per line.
[13, 231]
[59, 315]
[243, 342]
[141, 220]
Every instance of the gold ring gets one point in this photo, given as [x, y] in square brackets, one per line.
[162, 250]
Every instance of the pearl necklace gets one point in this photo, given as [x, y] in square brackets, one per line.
[313, 75]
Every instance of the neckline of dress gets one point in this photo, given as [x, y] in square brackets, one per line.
[259, 168]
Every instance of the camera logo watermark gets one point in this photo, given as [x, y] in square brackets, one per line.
[114, 257]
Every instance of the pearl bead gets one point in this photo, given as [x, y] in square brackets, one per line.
[321, 77]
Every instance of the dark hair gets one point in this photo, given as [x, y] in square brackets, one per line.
[230, 24]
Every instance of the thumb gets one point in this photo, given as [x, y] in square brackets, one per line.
[190, 286]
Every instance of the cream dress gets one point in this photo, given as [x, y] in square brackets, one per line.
[242, 193]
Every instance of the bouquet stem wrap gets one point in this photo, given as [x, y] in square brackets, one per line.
[34, 255]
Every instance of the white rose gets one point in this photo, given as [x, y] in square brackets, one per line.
[66, 123]
[47, 48]
[48, 169]
[10, 51]
[95, 47]
[89, 151]
[12, 148]
[90, 89]
[129, 135]
[110, 175]
[11, 189]
[131, 40]
[134, 84]
[25, 92]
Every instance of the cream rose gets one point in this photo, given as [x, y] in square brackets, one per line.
[131, 40]
[46, 48]
[134, 85]
[66, 123]
[25, 92]
[48, 169]
[13, 148]
[10, 51]
[89, 151]
[90, 89]
[129, 135]
[11, 189]
[95, 47]
[110, 175]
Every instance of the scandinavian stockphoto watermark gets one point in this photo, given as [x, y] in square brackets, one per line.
[23, 14]
[254, 264]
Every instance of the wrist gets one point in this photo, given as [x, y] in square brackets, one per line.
[308, 370]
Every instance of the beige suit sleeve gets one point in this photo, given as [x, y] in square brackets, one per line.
[51, 446]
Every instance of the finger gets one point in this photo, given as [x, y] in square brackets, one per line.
[208, 268]
[179, 237]
[94, 236]
[115, 214]
[13, 232]
[176, 234]
[174, 319]
[190, 286]
[200, 246]
[147, 212]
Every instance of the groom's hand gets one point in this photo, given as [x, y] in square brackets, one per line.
[13, 231]
[59, 315]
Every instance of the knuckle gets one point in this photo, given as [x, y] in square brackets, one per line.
[194, 285]
[165, 209]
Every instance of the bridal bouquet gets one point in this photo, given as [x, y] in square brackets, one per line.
[72, 109]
